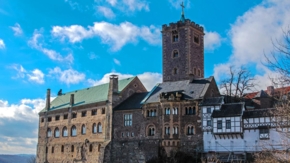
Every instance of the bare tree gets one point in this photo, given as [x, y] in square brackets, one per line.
[279, 58]
[238, 82]
[279, 62]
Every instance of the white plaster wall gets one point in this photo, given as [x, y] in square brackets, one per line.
[250, 142]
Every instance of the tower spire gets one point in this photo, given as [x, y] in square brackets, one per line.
[182, 19]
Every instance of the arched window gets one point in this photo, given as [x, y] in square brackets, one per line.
[62, 148]
[94, 129]
[148, 113]
[48, 132]
[198, 72]
[64, 132]
[72, 148]
[99, 127]
[151, 131]
[194, 111]
[190, 130]
[175, 111]
[91, 147]
[186, 110]
[167, 111]
[83, 129]
[52, 149]
[99, 147]
[73, 131]
[56, 133]
[175, 54]
[174, 36]
[175, 130]
[167, 130]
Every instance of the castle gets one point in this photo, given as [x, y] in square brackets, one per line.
[121, 121]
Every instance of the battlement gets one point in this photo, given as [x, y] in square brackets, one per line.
[187, 22]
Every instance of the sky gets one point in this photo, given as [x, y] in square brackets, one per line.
[70, 44]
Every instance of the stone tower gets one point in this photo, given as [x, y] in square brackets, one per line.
[183, 50]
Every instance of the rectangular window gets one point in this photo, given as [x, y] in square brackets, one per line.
[94, 112]
[208, 110]
[74, 115]
[49, 119]
[219, 124]
[65, 116]
[264, 133]
[228, 124]
[128, 120]
[84, 113]
[208, 123]
[57, 117]
[103, 110]
[196, 39]
[42, 119]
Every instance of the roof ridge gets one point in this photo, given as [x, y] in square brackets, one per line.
[97, 85]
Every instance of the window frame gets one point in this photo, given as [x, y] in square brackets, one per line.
[264, 133]
[56, 131]
[73, 128]
[84, 114]
[64, 130]
[219, 124]
[228, 124]
[128, 119]
[84, 129]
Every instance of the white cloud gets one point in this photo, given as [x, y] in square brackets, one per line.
[35, 75]
[114, 35]
[68, 76]
[17, 29]
[117, 62]
[133, 5]
[112, 2]
[149, 79]
[212, 40]
[107, 12]
[53, 55]
[2, 44]
[252, 33]
[19, 118]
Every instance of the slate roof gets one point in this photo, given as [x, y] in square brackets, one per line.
[257, 113]
[133, 102]
[261, 94]
[86, 96]
[212, 101]
[194, 89]
[229, 110]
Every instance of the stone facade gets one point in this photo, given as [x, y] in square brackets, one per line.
[83, 147]
[182, 51]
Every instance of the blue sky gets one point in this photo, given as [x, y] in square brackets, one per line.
[70, 44]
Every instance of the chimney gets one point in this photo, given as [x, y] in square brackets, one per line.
[72, 100]
[47, 99]
[114, 84]
[270, 90]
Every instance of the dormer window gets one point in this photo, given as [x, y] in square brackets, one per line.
[174, 36]
[175, 54]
